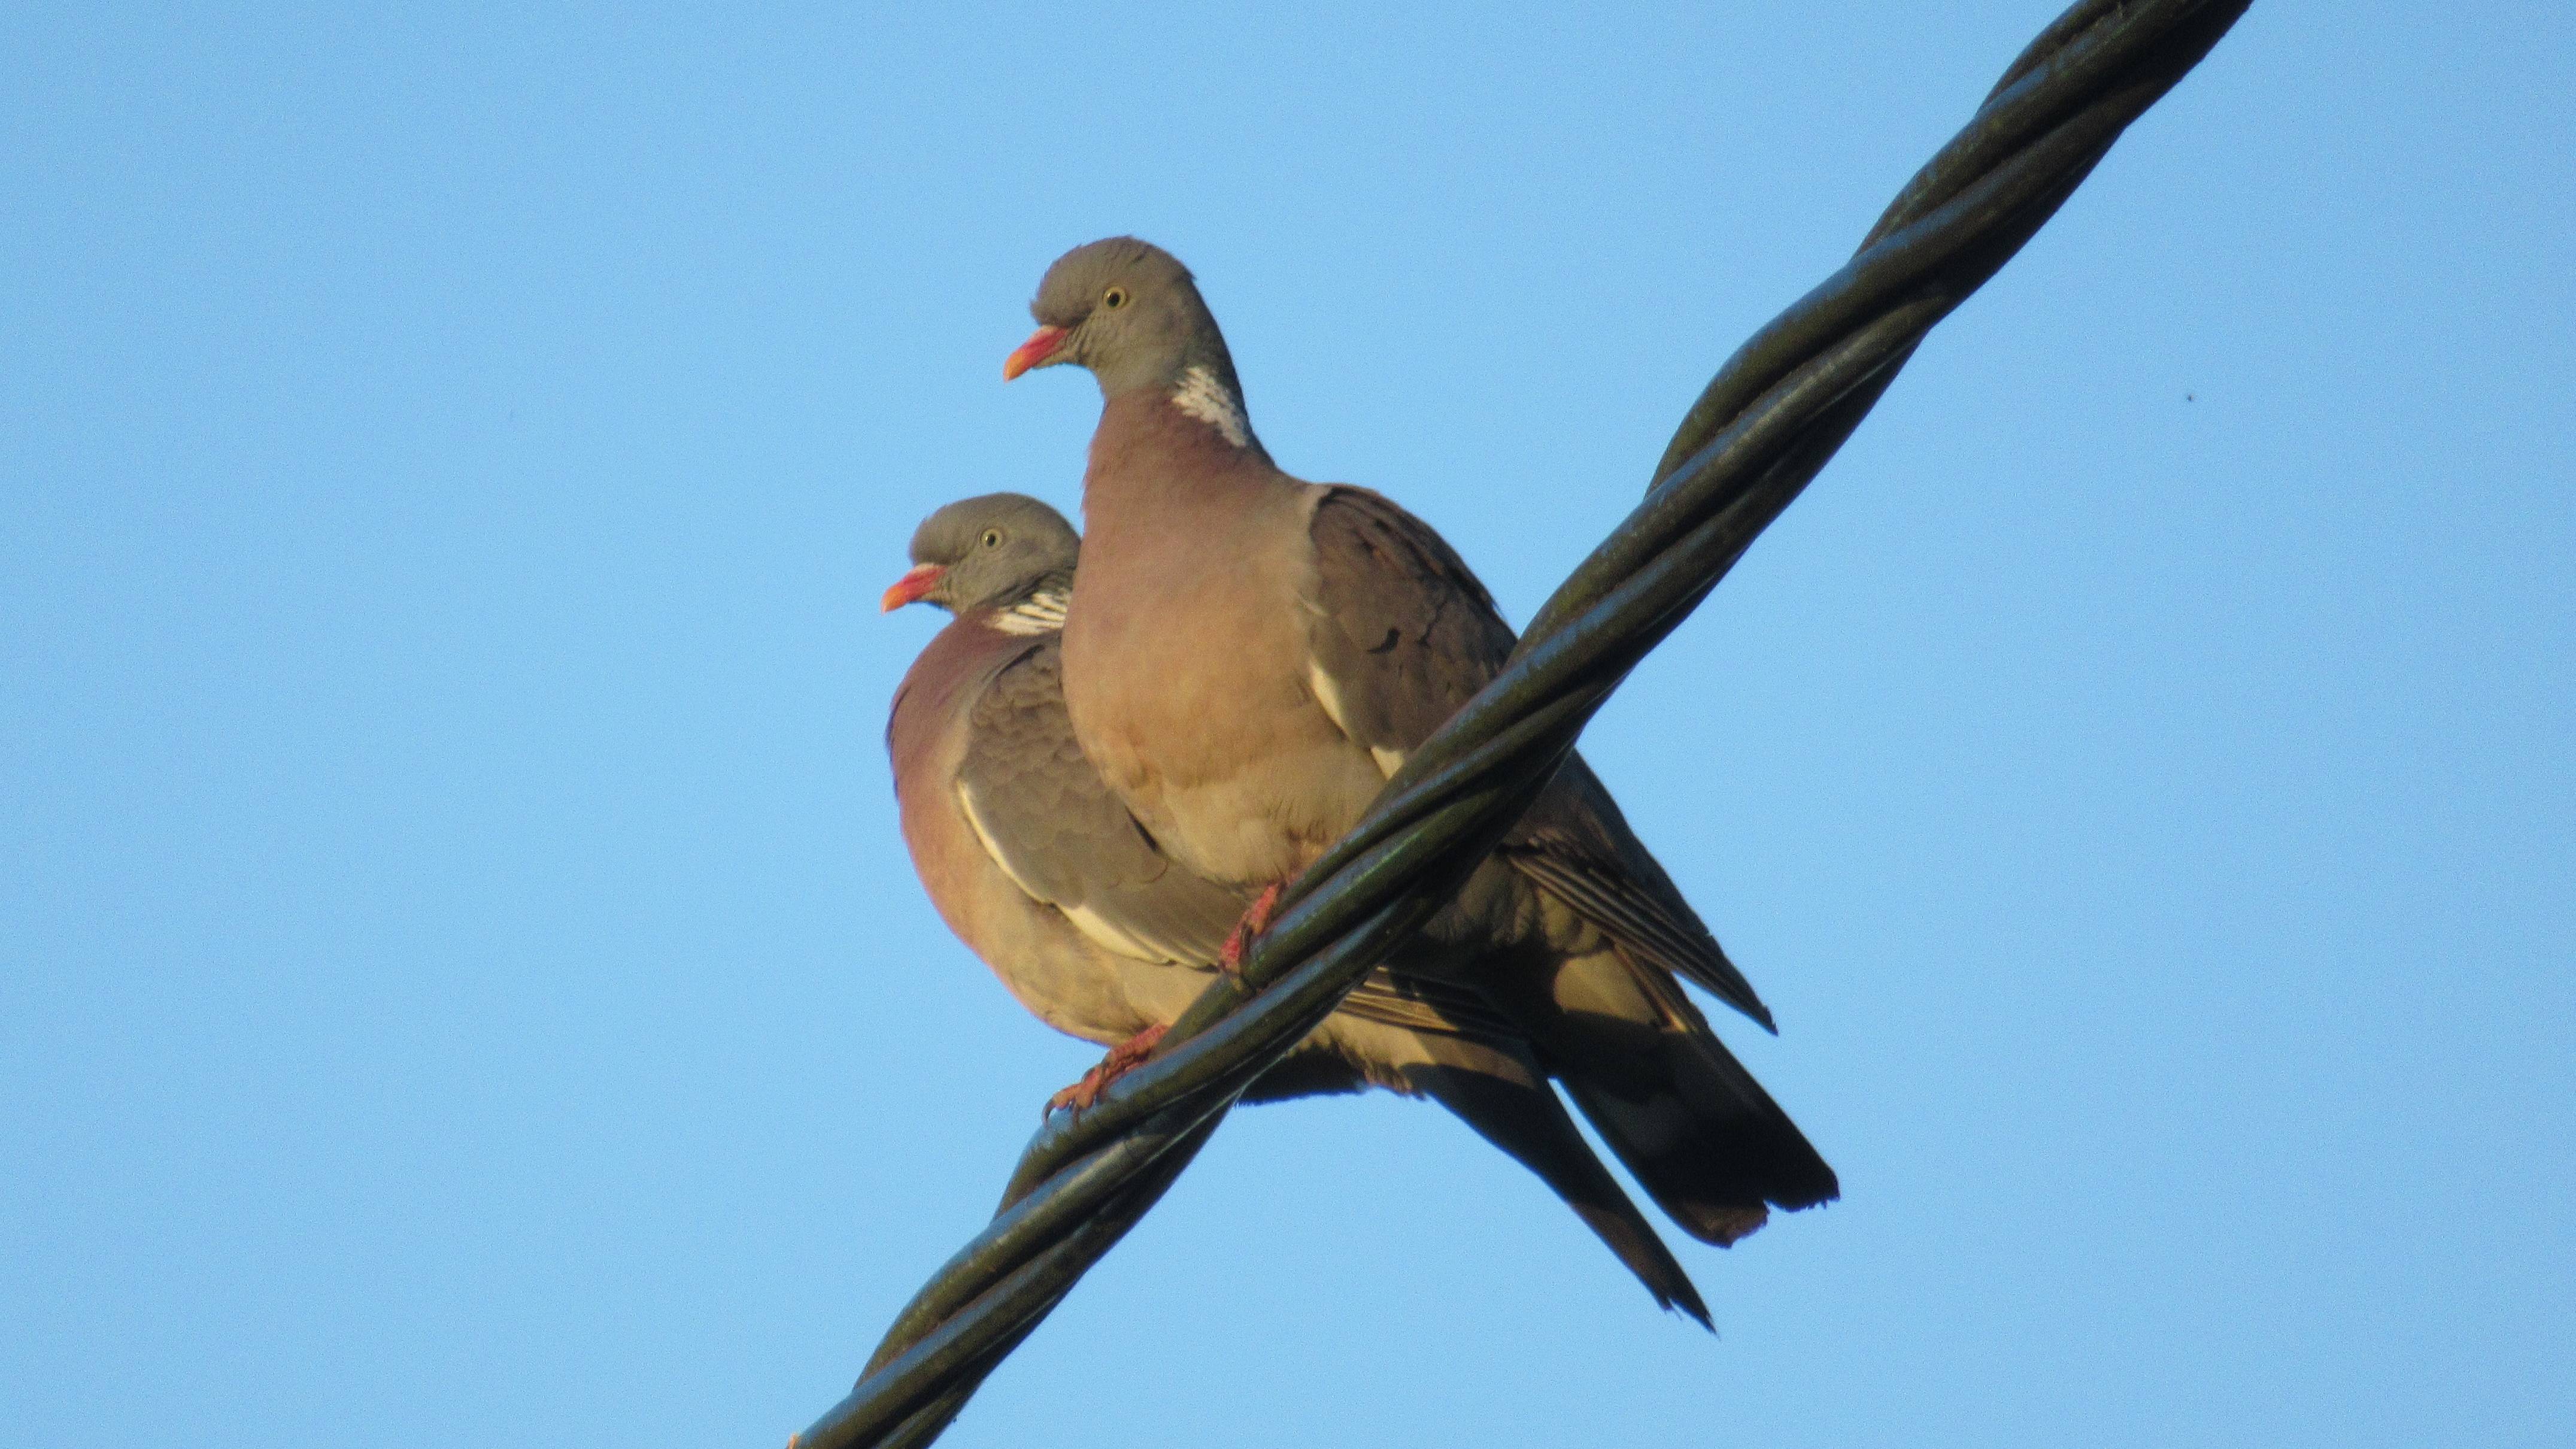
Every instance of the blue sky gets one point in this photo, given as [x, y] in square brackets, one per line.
[459, 980]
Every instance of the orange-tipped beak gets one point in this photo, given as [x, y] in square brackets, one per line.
[1038, 351]
[921, 579]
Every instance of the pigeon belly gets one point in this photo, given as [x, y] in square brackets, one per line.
[1224, 755]
[1056, 975]
[1185, 674]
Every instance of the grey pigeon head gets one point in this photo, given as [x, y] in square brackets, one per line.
[1127, 310]
[988, 552]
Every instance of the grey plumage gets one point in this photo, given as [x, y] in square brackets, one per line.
[1044, 873]
[1248, 658]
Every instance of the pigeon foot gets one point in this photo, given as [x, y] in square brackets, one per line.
[1122, 1059]
[1238, 941]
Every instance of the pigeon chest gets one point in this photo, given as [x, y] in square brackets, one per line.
[1193, 699]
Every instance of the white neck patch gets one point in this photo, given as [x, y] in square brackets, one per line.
[1211, 402]
[1039, 613]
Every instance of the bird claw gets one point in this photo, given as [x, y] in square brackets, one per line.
[1123, 1058]
[1238, 942]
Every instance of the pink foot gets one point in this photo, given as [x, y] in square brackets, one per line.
[1122, 1059]
[1229, 959]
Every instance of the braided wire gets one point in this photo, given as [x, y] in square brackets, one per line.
[1764, 426]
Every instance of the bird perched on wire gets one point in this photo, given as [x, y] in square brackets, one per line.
[1100, 933]
[1251, 656]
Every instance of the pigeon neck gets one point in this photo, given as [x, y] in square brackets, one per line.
[1211, 398]
[1040, 611]
[1154, 465]
[1197, 379]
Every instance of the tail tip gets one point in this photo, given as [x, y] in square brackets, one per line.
[1684, 1298]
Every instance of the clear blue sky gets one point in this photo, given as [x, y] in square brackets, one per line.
[460, 983]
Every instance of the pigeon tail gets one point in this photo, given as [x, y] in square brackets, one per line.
[1525, 1119]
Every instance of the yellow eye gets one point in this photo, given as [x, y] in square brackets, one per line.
[1115, 297]
[992, 538]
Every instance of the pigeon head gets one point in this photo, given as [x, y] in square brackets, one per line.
[997, 551]
[1128, 311]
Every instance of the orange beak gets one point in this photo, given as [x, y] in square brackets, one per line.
[1038, 351]
[921, 579]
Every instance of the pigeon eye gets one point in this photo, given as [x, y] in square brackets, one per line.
[1114, 298]
[992, 538]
